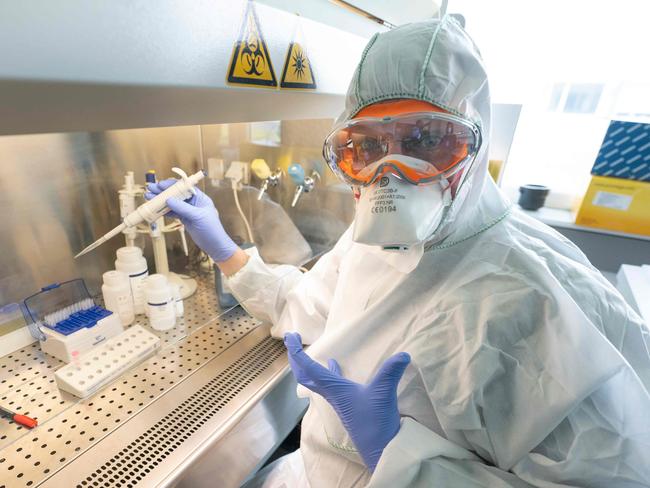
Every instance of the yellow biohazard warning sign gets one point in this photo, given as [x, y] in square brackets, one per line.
[250, 63]
[297, 72]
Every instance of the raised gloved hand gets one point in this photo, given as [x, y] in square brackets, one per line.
[200, 218]
[368, 412]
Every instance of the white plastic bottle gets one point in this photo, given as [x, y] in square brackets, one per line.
[131, 261]
[178, 300]
[160, 302]
[118, 297]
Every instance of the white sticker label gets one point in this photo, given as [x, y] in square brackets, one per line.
[612, 200]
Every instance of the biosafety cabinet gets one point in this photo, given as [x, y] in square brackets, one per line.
[95, 93]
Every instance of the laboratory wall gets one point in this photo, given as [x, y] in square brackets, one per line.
[59, 193]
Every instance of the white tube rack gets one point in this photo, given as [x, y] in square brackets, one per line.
[104, 363]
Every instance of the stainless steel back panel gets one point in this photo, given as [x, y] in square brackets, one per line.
[58, 193]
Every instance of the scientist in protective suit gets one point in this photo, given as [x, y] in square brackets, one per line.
[455, 342]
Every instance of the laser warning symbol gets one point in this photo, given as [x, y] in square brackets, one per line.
[250, 64]
[297, 72]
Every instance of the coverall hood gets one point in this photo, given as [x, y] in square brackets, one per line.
[437, 62]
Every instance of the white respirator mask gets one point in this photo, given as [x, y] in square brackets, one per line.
[397, 215]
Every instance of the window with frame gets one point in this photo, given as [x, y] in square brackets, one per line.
[573, 66]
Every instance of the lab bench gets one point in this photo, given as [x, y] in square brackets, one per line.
[206, 410]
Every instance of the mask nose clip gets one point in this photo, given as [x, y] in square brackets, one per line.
[383, 170]
[390, 165]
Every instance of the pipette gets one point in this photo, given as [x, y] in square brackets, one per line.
[153, 209]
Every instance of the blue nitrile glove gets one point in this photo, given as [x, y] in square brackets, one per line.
[200, 218]
[368, 412]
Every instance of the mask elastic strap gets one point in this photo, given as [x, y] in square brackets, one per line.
[448, 202]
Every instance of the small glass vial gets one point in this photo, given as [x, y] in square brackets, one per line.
[131, 261]
[178, 301]
[118, 297]
[160, 301]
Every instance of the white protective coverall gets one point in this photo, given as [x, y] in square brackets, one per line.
[528, 368]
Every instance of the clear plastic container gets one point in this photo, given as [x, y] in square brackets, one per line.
[53, 298]
[66, 320]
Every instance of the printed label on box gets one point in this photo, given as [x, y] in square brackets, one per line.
[612, 200]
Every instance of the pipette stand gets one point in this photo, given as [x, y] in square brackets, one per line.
[157, 231]
[187, 285]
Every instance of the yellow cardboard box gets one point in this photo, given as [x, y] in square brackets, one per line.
[616, 204]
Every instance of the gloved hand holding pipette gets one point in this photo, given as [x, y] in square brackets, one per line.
[200, 218]
[153, 209]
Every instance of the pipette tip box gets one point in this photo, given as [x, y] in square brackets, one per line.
[67, 321]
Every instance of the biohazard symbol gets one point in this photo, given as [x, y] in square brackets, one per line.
[297, 72]
[250, 63]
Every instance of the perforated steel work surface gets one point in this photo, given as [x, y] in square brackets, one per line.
[69, 426]
[155, 446]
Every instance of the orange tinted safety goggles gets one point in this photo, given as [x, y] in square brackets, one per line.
[420, 147]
